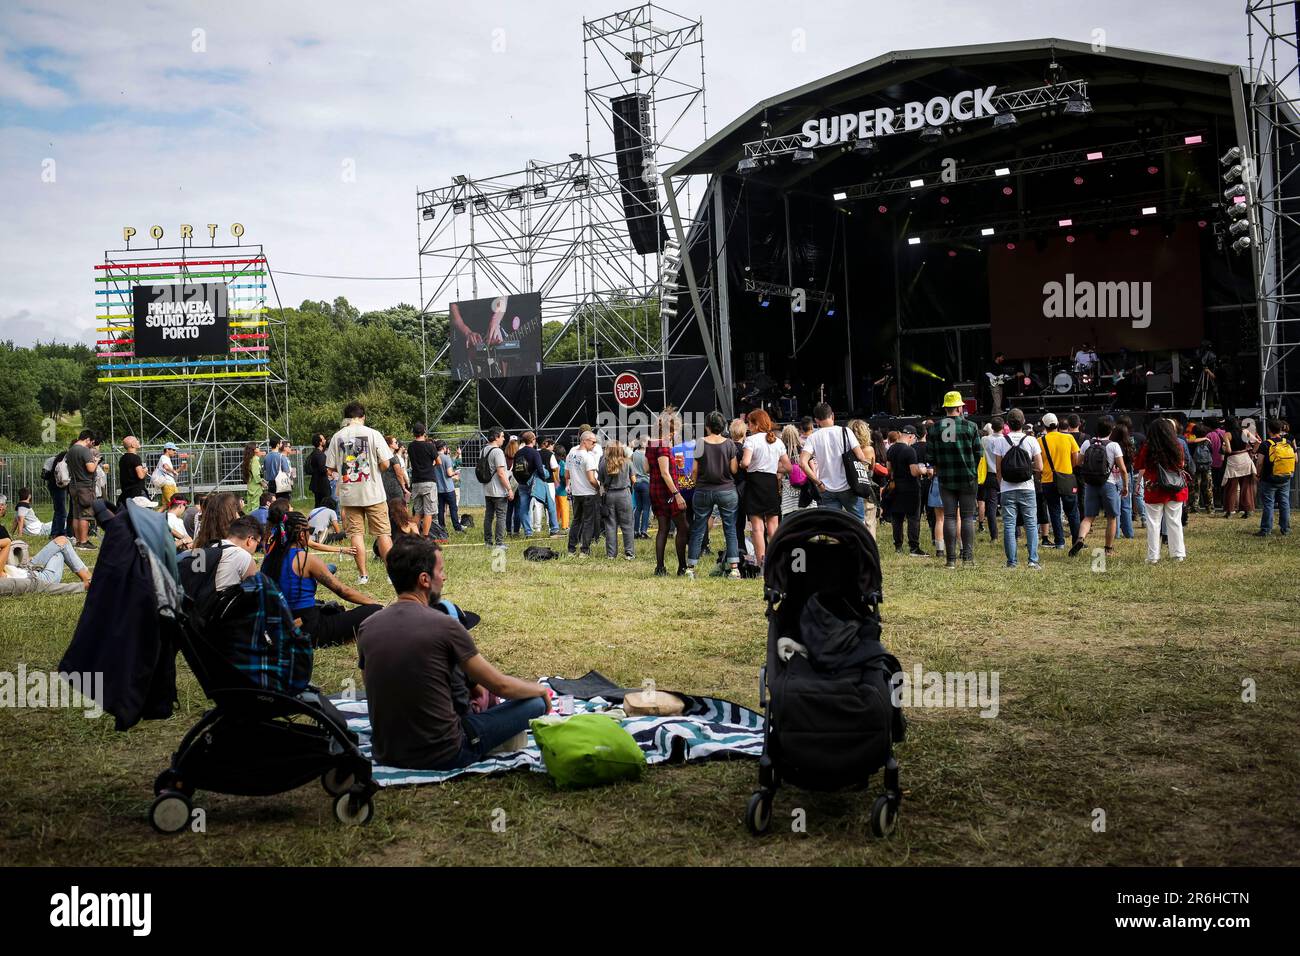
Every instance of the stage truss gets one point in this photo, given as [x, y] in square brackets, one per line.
[559, 228]
[1273, 190]
[252, 378]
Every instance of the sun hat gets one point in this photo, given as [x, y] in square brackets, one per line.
[953, 400]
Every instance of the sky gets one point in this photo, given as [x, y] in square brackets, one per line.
[313, 124]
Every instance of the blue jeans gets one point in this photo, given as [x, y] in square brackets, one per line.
[1126, 508]
[1056, 502]
[481, 733]
[1023, 505]
[702, 503]
[1275, 494]
[844, 500]
[544, 492]
[59, 525]
[524, 508]
[641, 507]
[49, 561]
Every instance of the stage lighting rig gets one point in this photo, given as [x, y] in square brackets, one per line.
[746, 165]
[864, 147]
[1242, 244]
[458, 207]
[1233, 174]
[1005, 121]
[802, 157]
[1233, 192]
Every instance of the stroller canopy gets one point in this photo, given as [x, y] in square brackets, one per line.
[833, 548]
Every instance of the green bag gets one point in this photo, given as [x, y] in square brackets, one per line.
[587, 750]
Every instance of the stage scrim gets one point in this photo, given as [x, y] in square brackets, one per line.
[1138, 292]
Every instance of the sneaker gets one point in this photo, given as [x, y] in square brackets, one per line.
[1011, 565]
[85, 546]
[950, 565]
[1153, 560]
[1261, 534]
[918, 553]
[734, 573]
[629, 557]
[661, 572]
[364, 579]
[940, 553]
[1076, 547]
[690, 573]
[1035, 566]
[682, 572]
[1059, 547]
[898, 551]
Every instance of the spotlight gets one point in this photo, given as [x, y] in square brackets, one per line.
[840, 196]
[916, 183]
[747, 165]
[1069, 239]
[539, 192]
[1230, 157]
[864, 147]
[480, 204]
[986, 231]
[1004, 121]
[581, 182]
[459, 180]
[952, 253]
[1201, 223]
[764, 301]
[1237, 210]
[514, 197]
[802, 157]
[1242, 244]
[830, 313]
[1239, 228]
[1077, 105]
[931, 134]
[1065, 223]
[1133, 231]
[427, 212]
[913, 240]
[1230, 194]
[1002, 171]
[458, 207]
[1233, 174]
[1148, 210]
[575, 156]
[1094, 156]
[1011, 247]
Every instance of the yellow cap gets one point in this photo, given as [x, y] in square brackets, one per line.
[953, 400]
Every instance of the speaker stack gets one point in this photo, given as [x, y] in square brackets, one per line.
[640, 195]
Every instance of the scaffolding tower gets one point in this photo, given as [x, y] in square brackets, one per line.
[1274, 193]
[561, 229]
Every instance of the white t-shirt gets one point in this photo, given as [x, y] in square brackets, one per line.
[320, 520]
[28, 522]
[827, 445]
[577, 465]
[177, 526]
[1114, 454]
[1001, 444]
[764, 456]
[160, 475]
[496, 488]
[232, 567]
[355, 453]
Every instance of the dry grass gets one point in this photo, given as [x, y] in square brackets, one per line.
[1120, 690]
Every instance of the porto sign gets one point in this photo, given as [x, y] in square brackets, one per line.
[627, 390]
[884, 120]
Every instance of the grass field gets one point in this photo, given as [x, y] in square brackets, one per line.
[1120, 690]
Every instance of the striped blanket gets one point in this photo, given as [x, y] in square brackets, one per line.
[709, 729]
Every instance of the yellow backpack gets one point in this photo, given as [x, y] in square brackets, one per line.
[1282, 457]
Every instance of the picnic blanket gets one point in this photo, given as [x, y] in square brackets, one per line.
[708, 729]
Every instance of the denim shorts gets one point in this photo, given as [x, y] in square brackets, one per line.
[1098, 498]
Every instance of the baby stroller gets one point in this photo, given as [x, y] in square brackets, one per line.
[270, 730]
[826, 688]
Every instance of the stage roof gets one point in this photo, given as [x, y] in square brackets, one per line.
[1121, 82]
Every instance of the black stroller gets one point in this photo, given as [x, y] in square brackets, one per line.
[826, 688]
[270, 731]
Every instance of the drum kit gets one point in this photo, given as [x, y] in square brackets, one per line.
[1075, 378]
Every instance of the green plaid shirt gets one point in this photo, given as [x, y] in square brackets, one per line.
[955, 451]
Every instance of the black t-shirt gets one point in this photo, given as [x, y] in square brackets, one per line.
[901, 457]
[132, 487]
[423, 457]
[4, 532]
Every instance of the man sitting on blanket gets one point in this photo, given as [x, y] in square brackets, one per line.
[409, 653]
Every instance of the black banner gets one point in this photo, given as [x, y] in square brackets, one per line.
[178, 320]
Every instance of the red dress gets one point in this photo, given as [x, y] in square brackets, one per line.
[661, 499]
[1153, 493]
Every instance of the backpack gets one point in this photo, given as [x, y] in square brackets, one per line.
[1282, 457]
[1094, 468]
[48, 466]
[483, 470]
[1016, 464]
[1203, 455]
[521, 469]
[62, 477]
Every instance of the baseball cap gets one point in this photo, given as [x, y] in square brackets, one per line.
[909, 430]
[170, 446]
[952, 400]
[1049, 420]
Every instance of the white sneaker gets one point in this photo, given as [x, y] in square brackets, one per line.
[733, 573]
[690, 573]
[364, 579]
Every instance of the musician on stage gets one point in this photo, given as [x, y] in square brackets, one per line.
[1085, 360]
[484, 363]
[998, 375]
[884, 391]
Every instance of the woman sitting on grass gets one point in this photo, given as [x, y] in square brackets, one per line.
[297, 572]
[400, 520]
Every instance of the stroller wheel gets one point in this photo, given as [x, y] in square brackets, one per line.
[758, 814]
[884, 817]
[170, 813]
[335, 781]
[352, 810]
[167, 780]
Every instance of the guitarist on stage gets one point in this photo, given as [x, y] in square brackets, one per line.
[998, 376]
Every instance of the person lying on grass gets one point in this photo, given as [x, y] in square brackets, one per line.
[297, 572]
[411, 653]
[49, 562]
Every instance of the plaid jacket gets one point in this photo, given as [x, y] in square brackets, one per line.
[955, 452]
